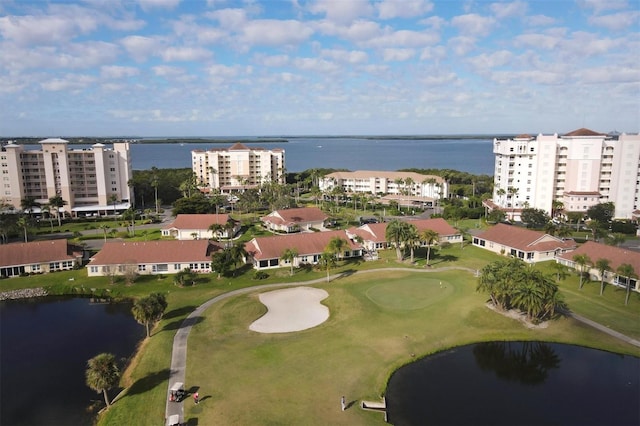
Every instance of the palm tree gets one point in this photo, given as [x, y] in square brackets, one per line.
[412, 240]
[28, 204]
[626, 270]
[154, 183]
[149, 309]
[501, 193]
[215, 229]
[396, 233]
[102, 374]
[561, 271]
[429, 236]
[327, 261]
[582, 260]
[513, 191]
[113, 199]
[336, 246]
[23, 222]
[556, 207]
[57, 202]
[602, 265]
[104, 228]
[288, 255]
[46, 208]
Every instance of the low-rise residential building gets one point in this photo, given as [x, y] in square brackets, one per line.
[201, 226]
[152, 257]
[295, 220]
[616, 257]
[373, 235]
[38, 257]
[525, 244]
[426, 188]
[238, 167]
[266, 252]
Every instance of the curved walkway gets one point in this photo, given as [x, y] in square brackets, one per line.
[179, 351]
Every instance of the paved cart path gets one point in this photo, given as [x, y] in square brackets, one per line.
[179, 351]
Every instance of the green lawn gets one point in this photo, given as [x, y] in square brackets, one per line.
[379, 321]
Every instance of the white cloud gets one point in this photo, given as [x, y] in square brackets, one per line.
[403, 38]
[503, 10]
[185, 54]
[271, 32]
[487, 61]
[610, 74]
[315, 65]
[389, 9]
[148, 5]
[70, 82]
[473, 24]
[37, 30]
[340, 11]
[462, 45]
[346, 56]
[272, 60]
[542, 41]
[140, 47]
[599, 6]
[116, 72]
[167, 71]
[617, 21]
[230, 19]
[397, 54]
[540, 20]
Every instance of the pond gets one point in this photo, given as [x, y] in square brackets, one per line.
[517, 383]
[46, 344]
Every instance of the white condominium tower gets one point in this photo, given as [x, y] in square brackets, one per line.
[88, 180]
[238, 167]
[579, 169]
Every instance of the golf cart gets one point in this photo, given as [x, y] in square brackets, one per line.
[177, 392]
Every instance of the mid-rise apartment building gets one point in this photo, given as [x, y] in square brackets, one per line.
[387, 182]
[89, 180]
[579, 169]
[237, 167]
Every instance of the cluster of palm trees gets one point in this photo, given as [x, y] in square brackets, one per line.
[405, 235]
[624, 270]
[511, 284]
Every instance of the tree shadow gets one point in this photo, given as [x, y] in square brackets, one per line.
[193, 421]
[179, 312]
[149, 382]
[175, 325]
[441, 258]
[347, 273]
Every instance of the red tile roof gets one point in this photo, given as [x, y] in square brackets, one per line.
[376, 232]
[437, 224]
[306, 244]
[15, 254]
[616, 255]
[197, 221]
[295, 216]
[584, 132]
[169, 251]
[525, 239]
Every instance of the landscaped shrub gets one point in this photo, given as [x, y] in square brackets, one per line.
[260, 275]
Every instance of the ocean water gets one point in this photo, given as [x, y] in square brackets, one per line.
[468, 155]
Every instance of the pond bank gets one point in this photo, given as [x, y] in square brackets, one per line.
[25, 293]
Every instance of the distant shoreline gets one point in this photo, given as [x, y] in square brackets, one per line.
[244, 140]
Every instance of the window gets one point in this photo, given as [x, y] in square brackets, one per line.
[35, 268]
[177, 267]
[142, 268]
[93, 269]
[163, 267]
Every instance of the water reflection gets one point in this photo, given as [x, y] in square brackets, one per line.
[517, 383]
[528, 363]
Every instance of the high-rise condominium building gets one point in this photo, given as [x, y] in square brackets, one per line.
[93, 180]
[237, 167]
[579, 169]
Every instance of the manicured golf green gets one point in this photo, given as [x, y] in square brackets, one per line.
[378, 321]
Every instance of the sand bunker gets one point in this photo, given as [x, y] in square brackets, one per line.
[291, 309]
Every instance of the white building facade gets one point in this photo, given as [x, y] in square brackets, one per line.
[387, 182]
[579, 169]
[238, 167]
[87, 179]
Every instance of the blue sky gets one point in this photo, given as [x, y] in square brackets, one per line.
[317, 67]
